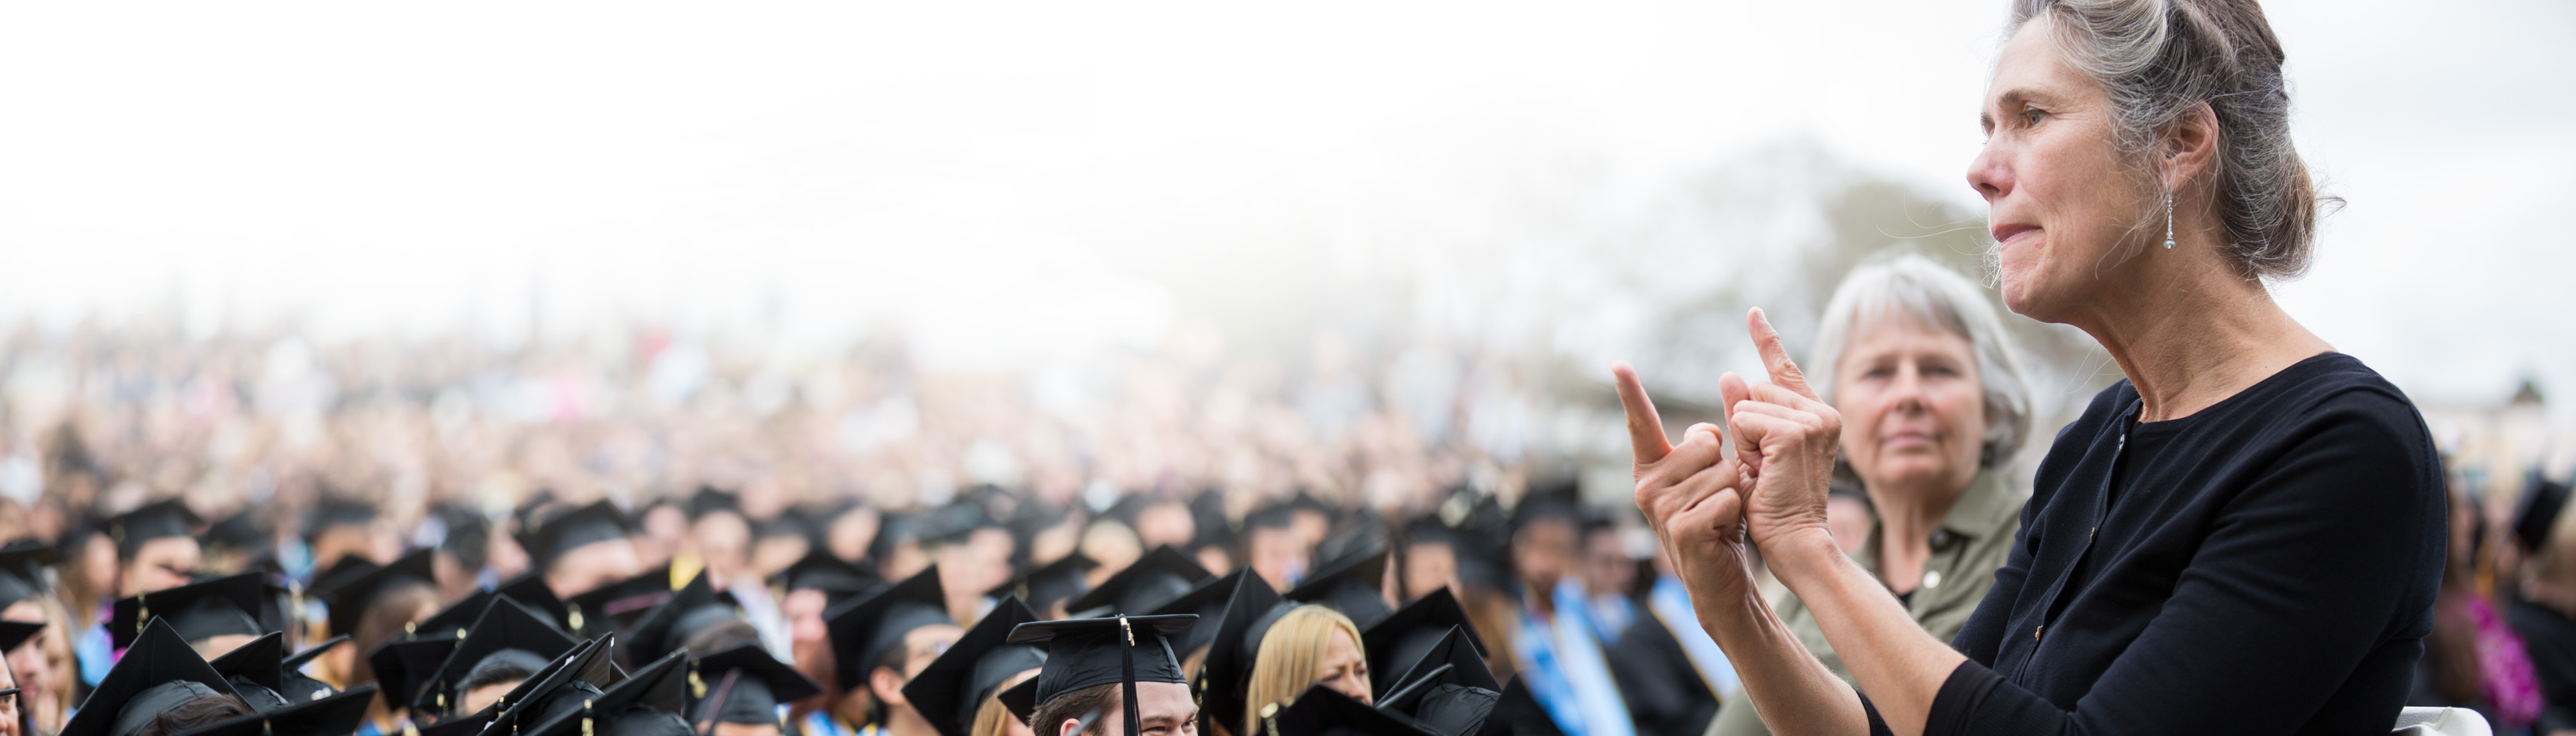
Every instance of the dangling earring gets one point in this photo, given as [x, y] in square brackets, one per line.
[2169, 208]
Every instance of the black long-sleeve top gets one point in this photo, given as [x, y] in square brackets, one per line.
[2264, 566]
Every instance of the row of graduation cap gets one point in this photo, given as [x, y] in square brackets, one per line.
[522, 628]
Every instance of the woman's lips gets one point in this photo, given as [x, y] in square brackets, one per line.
[2009, 232]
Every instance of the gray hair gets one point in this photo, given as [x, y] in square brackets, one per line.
[2159, 60]
[1910, 285]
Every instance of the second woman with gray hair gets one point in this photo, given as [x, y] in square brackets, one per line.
[1934, 404]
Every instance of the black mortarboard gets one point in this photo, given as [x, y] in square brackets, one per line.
[1089, 652]
[560, 688]
[1057, 581]
[14, 633]
[242, 532]
[1249, 612]
[1448, 690]
[1517, 713]
[866, 629]
[892, 531]
[336, 715]
[708, 500]
[169, 518]
[468, 535]
[1323, 711]
[836, 578]
[950, 691]
[746, 685]
[953, 522]
[300, 686]
[1207, 510]
[338, 512]
[1274, 516]
[1351, 586]
[158, 673]
[1158, 577]
[528, 589]
[617, 605]
[1207, 601]
[198, 611]
[550, 538]
[1408, 634]
[348, 599]
[404, 666]
[661, 631]
[648, 703]
[257, 671]
[14, 589]
[2537, 511]
[1021, 699]
[26, 560]
[506, 632]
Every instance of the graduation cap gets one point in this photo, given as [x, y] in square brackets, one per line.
[257, 671]
[836, 578]
[561, 688]
[349, 598]
[648, 703]
[528, 589]
[241, 531]
[556, 535]
[745, 685]
[1350, 586]
[26, 560]
[332, 716]
[1249, 612]
[1089, 652]
[339, 512]
[1448, 690]
[198, 611]
[298, 682]
[404, 666]
[1409, 633]
[506, 635]
[157, 673]
[1158, 577]
[14, 633]
[468, 535]
[160, 520]
[953, 522]
[1022, 699]
[1207, 601]
[708, 500]
[957, 683]
[617, 605]
[14, 589]
[1056, 582]
[865, 630]
[661, 630]
[1517, 713]
[2537, 511]
[1323, 711]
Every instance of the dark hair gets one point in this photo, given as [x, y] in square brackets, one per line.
[386, 615]
[2159, 60]
[1073, 706]
[507, 665]
[189, 715]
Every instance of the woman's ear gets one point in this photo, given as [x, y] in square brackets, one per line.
[2189, 146]
[886, 686]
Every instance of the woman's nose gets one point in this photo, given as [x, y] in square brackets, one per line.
[1988, 174]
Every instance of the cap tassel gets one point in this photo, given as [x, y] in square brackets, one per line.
[1127, 676]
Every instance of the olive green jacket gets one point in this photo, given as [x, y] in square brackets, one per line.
[1971, 542]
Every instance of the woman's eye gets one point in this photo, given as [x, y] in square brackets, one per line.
[2032, 115]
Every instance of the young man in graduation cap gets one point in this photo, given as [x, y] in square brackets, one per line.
[581, 549]
[878, 645]
[503, 648]
[1113, 675]
[159, 686]
[744, 689]
[820, 582]
[213, 616]
[156, 547]
[956, 692]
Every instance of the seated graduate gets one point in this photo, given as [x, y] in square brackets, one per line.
[745, 688]
[14, 717]
[1206, 601]
[580, 550]
[404, 665]
[1109, 675]
[213, 616]
[878, 645]
[160, 687]
[1270, 648]
[1447, 691]
[957, 691]
[372, 604]
[503, 648]
[156, 547]
[261, 671]
[646, 703]
[817, 583]
[567, 686]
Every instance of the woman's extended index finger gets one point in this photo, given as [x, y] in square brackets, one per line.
[1645, 428]
[1775, 358]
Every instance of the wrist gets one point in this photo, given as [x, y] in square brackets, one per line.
[1804, 554]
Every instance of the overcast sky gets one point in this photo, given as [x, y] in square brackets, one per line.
[969, 168]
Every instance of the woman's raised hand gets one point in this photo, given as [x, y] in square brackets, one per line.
[1786, 439]
[1688, 494]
